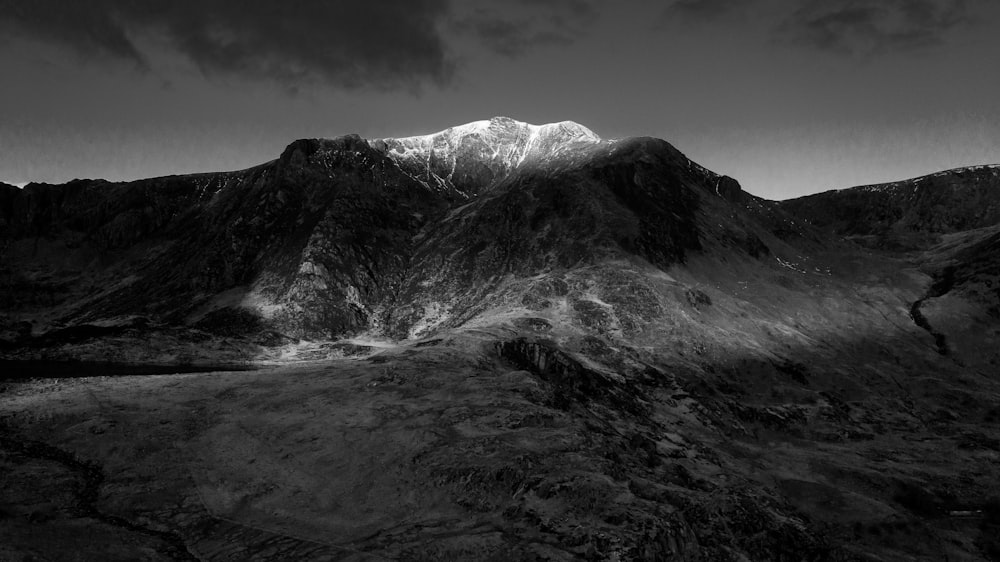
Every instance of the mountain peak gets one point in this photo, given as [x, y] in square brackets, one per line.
[471, 156]
[501, 128]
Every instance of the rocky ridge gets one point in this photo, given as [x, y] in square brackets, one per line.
[906, 212]
[326, 240]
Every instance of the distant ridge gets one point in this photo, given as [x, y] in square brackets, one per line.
[943, 202]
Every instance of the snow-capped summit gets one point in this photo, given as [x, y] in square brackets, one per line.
[469, 157]
[503, 130]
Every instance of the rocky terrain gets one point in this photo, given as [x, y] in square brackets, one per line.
[501, 341]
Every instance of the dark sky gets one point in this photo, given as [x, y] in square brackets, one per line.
[789, 97]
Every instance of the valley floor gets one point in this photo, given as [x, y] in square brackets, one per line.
[457, 451]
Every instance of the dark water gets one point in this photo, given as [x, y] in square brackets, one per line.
[20, 370]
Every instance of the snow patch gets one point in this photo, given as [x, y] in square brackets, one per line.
[895, 185]
[789, 265]
[589, 296]
[503, 143]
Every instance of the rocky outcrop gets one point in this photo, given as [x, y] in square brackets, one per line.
[728, 188]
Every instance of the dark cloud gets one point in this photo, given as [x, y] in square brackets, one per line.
[511, 38]
[93, 30]
[701, 11]
[860, 28]
[524, 25]
[871, 27]
[352, 44]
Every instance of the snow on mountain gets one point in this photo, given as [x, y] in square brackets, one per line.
[957, 174]
[469, 157]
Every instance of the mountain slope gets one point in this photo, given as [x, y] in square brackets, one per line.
[906, 212]
[948, 222]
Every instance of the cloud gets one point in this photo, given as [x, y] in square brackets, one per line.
[91, 29]
[380, 44]
[701, 11]
[525, 25]
[857, 28]
[872, 27]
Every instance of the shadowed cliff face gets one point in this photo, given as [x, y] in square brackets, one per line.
[590, 348]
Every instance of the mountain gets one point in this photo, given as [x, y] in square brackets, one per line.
[950, 222]
[503, 341]
[906, 213]
[347, 237]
